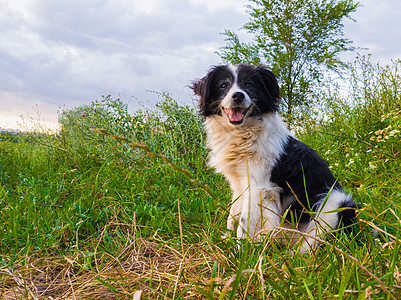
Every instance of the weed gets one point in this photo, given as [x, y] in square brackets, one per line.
[137, 211]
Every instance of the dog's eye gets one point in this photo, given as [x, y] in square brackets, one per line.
[249, 85]
[224, 85]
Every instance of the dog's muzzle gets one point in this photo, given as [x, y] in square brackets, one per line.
[237, 109]
[235, 115]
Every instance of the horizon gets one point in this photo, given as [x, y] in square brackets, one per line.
[56, 57]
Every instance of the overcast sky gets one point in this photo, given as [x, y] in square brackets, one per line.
[65, 53]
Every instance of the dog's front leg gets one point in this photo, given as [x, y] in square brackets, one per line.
[235, 212]
[260, 210]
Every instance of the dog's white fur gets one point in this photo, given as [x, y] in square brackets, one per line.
[246, 155]
[325, 221]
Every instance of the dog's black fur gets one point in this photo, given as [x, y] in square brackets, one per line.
[303, 178]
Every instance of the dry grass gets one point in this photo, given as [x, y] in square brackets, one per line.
[152, 267]
[81, 209]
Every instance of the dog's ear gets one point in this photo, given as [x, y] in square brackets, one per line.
[270, 81]
[198, 86]
[200, 89]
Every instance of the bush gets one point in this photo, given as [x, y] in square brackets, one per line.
[68, 186]
[359, 133]
[83, 214]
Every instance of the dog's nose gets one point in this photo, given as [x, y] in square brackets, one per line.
[238, 97]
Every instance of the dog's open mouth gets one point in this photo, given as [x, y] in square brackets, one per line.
[236, 114]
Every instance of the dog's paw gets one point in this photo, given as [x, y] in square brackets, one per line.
[231, 223]
[241, 232]
[245, 227]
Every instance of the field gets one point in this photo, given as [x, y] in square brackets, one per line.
[123, 206]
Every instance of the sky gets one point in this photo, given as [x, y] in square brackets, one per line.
[57, 55]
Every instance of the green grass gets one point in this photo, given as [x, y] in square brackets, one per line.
[86, 215]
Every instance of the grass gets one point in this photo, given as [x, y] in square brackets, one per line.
[88, 215]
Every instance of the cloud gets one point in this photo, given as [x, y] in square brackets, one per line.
[377, 29]
[72, 52]
[56, 53]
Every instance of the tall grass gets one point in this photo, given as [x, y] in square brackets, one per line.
[85, 215]
[360, 134]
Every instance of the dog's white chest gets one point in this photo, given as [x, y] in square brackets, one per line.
[247, 152]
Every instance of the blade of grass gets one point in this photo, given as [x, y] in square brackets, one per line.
[155, 155]
[350, 257]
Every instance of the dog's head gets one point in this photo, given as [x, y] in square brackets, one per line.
[237, 92]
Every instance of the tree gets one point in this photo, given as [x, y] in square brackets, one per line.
[298, 40]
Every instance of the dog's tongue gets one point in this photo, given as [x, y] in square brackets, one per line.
[234, 114]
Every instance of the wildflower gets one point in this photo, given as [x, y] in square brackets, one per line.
[93, 155]
[393, 132]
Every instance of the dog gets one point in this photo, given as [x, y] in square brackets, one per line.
[276, 180]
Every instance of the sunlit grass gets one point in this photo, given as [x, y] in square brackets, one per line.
[88, 215]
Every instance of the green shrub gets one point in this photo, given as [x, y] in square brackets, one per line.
[114, 219]
[66, 187]
[359, 134]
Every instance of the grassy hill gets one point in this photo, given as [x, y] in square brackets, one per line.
[87, 215]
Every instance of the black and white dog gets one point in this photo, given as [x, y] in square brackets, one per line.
[271, 173]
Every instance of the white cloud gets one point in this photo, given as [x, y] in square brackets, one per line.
[377, 28]
[56, 53]
[78, 50]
